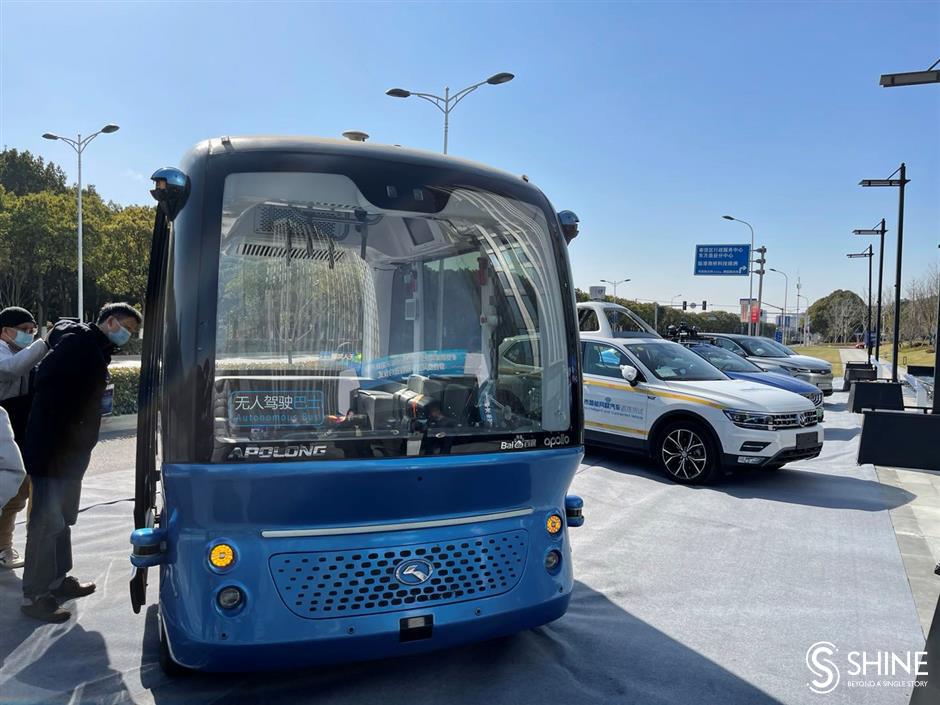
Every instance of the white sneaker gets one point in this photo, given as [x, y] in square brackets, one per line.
[10, 558]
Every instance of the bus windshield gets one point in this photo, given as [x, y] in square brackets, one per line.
[399, 321]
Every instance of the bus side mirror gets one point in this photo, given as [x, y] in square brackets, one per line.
[149, 547]
[629, 373]
[170, 189]
[569, 225]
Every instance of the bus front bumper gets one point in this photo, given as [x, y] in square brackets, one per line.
[363, 638]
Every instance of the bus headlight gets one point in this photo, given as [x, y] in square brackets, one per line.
[221, 556]
[553, 561]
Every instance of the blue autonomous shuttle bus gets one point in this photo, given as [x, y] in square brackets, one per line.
[334, 460]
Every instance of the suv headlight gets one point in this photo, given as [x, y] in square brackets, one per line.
[750, 419]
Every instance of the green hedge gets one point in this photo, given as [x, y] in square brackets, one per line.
[125, 381]
[134, 346]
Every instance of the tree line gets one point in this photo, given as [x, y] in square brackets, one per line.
[39, 248]
[841, 316]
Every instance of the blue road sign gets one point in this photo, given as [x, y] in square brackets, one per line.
[778, 336]
[722, 260]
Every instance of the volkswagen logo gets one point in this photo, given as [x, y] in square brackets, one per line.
[414, 571]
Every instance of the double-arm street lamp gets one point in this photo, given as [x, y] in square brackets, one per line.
[786, 288]
[866, 253]
[615, 283]
[900, 182]
[79, 145]
[448, 102]
[750, 269]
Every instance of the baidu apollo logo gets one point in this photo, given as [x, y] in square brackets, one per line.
[864, 669]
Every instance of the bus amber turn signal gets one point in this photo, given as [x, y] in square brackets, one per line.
[221, 556]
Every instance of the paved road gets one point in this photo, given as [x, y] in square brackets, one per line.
[684, 595]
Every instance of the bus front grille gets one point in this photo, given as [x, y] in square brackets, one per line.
[326, 584]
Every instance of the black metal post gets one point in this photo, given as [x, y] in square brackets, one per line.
[936, 363]
[897, 276]
[881, 267]
[868, 324]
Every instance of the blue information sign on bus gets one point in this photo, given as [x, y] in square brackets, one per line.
[722, 260]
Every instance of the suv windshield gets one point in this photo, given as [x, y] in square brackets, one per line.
[674, 362]
[338, 318]
[725, 360]
[760, 347]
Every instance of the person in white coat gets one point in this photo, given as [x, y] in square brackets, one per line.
[20, 352]
[12, 472]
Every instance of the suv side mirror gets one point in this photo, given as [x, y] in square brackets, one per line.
[629, 373]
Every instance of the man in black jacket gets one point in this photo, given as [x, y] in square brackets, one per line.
[62, 431]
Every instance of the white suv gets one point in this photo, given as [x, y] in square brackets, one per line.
[612, 321]
[657, 397]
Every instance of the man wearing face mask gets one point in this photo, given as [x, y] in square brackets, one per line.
[19, 354]
[63, 429]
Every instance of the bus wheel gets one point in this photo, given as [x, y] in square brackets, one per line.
[686, 453]
[167, 664]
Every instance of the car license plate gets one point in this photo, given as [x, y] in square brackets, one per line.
[807, 440]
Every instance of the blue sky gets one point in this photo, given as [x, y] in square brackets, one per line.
[650, 120]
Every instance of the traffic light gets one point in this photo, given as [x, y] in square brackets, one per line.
[704, 305]
[685, 305]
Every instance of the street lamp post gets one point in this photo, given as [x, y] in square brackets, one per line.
[805, 312]
[900, 182]
[750, 294]
[786, 288]
[914, 78]
[449, 102]
[866, 253]
[615, 283]
[79, 146]
[881, 264]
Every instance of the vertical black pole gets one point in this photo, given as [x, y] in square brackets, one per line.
[881, 267]
[936, 362]
[868, 324]
[897, 277]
